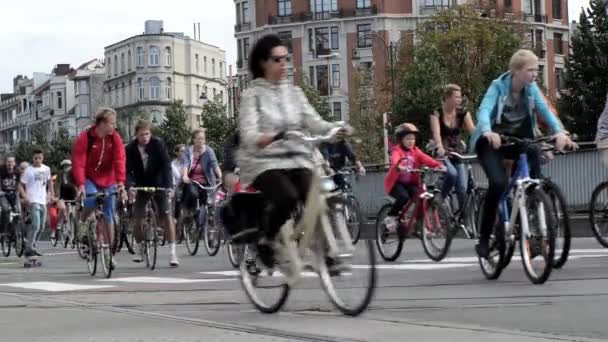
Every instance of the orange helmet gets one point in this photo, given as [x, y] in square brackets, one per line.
[405, 129]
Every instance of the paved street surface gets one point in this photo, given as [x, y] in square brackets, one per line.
[416, 300]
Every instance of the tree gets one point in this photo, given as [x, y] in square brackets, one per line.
[366, 119]
[174, 130]
[59, 149]
[218, 125]
[318, 102]
[455, 46]
[586, 83]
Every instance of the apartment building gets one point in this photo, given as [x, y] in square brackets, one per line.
[146, 73]
[331, 39]
[88, 80]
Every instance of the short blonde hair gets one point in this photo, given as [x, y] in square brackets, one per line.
[142, 124]
[449, 90]
[521, 58]
[103, 114]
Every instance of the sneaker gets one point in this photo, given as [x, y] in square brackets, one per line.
[139, 257]
[173, 261]
[483, 248]
[390, 222]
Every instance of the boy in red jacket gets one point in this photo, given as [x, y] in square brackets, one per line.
[98, 164]
[400, 183]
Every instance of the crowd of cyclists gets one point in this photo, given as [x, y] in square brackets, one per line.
[260, 157]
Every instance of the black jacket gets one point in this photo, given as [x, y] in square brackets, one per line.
[158, 173]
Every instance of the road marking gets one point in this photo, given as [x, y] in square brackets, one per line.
[55, 287]
[60, 253]
[421, 267]
[160, 280]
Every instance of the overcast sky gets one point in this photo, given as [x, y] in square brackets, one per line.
[37, 34]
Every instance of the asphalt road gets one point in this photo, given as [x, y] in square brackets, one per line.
[202, 300]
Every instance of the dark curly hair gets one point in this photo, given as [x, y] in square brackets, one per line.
[261, 52]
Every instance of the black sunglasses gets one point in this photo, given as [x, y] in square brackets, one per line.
[278, 59]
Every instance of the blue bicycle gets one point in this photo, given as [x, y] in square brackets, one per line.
[524, 215]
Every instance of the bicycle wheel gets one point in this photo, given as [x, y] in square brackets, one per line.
[5, 244]
[472, 210]
[91, 249]
[598, 213]
[105, 252]
[191, 235]
[354, 218]
[389, 243]
[563, 235]
[19, 238]
[235, 253]
[267, 290]
[151, 244]
[349, 287]
[436, 236]
[492, 266]
[537, 247]
[212, 236]
[65, 236]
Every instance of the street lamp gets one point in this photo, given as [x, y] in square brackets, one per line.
[203, 96]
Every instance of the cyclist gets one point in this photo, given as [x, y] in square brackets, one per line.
[338, 153]
[149, 165]
[200, 164]
[66, 189]
[281, 171]
[36, 190]
[9, 181]
[508, 108]
[98, 164]
[400, 183]
[447, 125]
[601, 137]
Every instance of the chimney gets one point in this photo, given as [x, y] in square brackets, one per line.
[194, 30]
[199, 32]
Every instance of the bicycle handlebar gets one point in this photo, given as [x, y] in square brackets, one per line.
[150, 189]
[207, 188]
[297, 135]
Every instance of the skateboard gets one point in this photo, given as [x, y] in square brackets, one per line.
[32, 262]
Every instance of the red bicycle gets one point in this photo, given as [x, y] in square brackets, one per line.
[426, 213]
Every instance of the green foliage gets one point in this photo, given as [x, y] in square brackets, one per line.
[366, 120]
[57, 150]
[586, 82]
[318, 102]
[174, 130]
[218, 125]
[454, 46]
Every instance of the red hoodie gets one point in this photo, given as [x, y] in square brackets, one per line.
[416, 158]
[104, 165]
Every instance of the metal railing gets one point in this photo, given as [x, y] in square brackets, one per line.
[327, 15]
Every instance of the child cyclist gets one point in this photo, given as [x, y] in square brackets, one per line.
[400, 183]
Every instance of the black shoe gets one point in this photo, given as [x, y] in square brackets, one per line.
[36, 253]
[266, 254]
[483, 248]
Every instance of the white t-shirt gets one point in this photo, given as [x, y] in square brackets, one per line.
[144, 155]
[35, 180]
[176, 167]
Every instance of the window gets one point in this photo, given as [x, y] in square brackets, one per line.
[335, 40]
[196, 63]
[559, 79]
[59, 100]
[84, 110]
[337, 107]
[140, 89]
[322, 80]
[129, 60]
[109, 64]
[154, 56]
[122, 63]
[540, 79]
[206, 92]
[286, 39]
[284, 8]
[311, 45]
[321, 6]
[246, 48]
[364, 37]
[238, 14]
[311, 75]
[222, 95]
[213, 67]
[214, 94]
[168, 88]
[436, 3]
[239, 51]
[322, 39]
[558, 43]
[168, 56]
[508, 6]
[245, 17]
[557, 9]
[124, 94]
[222, 73]
[140, 57]
[130, 92]
[205, 64]
[82, 87]
[363, 4]
[198, 91]
[115, 65]
[154, 88]
[335, 75]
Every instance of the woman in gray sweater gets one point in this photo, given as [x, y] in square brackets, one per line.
[279, 168]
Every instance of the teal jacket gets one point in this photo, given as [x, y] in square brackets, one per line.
[491, 109]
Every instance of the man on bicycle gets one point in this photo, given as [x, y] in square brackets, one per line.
[98, 165]
[9, 180]
[149, 165]
[66, 189]
[338, 154]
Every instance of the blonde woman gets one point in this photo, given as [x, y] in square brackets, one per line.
[508, 109]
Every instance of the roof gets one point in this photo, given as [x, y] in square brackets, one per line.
[85, 64]
[44, 86]
[187, 38]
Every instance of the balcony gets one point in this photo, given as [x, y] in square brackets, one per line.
[540, 51]
[536, 18]
[242, 27]
[276, 20]
[321, 51]
[320, 16]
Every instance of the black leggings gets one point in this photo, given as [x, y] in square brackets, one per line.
[283, 190]
[191, 192]
[402, 194]
[491, 161]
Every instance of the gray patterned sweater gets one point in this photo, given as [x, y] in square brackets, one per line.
[269, 108]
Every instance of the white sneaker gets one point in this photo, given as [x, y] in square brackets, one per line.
[391, 223]
[173, 261]
[139, 257]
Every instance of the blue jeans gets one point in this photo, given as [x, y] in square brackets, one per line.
[109, 202]
[456, 176]
[38, 216]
